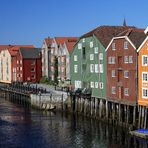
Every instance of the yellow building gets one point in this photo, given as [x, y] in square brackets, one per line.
[143, 73]
[5, 66]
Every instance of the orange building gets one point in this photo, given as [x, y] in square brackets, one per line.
[143, 72]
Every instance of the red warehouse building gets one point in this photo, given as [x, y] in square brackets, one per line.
[28, 65]
[122, 66]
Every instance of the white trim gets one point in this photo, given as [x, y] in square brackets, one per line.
[142, 44]
[146, 30]
[121, 37]
[142, 93]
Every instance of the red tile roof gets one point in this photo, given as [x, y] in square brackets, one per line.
[2, 47]
[48, 41]
[61, 40]
[70, 44]
[14, 49]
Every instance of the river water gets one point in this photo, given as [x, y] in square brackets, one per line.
[21, 127]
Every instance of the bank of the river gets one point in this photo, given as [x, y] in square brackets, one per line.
[26, 128]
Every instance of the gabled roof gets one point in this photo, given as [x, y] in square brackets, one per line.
[13, 50]
[106, 33]
[30, 53]
[2, 47]
[48, 41]
[70, 44]
[61, 40]
[146, 39]
[134, 35]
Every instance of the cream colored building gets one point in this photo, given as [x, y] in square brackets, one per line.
[5, 66]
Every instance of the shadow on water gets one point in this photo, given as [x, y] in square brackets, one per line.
[26, 128]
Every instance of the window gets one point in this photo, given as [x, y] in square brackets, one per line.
[130, 59]
[33, 62]
[125, 45]
[101, 68]
[113, 73]
[21, 75]
[77, 84]
[20, 61]
[17, 62]
[75, 68]
[75, 58]
[144, 93]
[111, 60]
[101, 85]
[32, 69]
[79, 45]
[84, 53]
[101, 56]
[91, 44]
[96, 50]
[96, 68]
[126, 74]
[144, 60]
[83, 40]
[113, 46]
[33, 76]
[126, 93]
[113, 90]
[20, 68]
[91, 57]
[92, 84]
[145, 76]
[91, 68]
[96, 84]
[125, 59]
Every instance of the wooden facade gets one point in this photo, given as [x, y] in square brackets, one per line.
[122, 67]
[143, 73]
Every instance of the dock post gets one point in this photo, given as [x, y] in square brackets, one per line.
[134, 116]
[106, 109]
[139, 116]
[145, 119]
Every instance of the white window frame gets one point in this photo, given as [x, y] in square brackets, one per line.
[79, 45]
[92, 84]
[113, 90]
[101, 85]
[144, 73]
[75, 58]
[143, 60]
[125, 59]
[75, 68]
[96, 49]
[91, 44]
[96, 68]
[125, 44]
[113, 73]
[101, 70]
[126, 74]
[91, 57]
[113, 46]
[83, 40]
[78, 84]
[143, 96]
[130, 59]
[100, 56]
[96, 85]
[91, 68]
[126, 91]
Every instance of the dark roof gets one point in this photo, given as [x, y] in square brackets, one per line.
[30, 53]
[136, 35]
[106, 33]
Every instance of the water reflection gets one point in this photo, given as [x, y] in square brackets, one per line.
[23, 127]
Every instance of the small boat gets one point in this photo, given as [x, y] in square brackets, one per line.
[141, 133]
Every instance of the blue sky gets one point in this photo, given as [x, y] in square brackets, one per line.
[30, 21]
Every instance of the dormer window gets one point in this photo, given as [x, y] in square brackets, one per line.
[113, 46]
[125, 45]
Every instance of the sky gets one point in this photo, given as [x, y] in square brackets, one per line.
[30, 21]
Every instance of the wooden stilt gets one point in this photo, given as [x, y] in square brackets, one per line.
[145, 119]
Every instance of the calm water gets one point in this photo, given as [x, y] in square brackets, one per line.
[25, 128]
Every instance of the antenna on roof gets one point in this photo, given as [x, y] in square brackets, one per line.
[124, 23]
